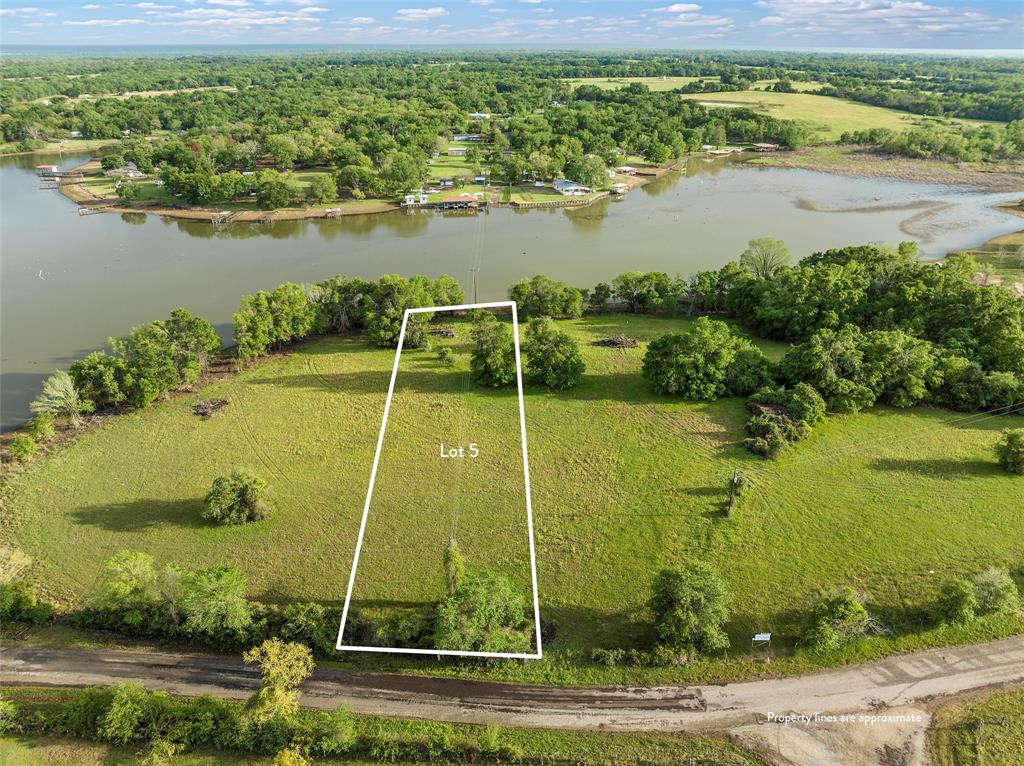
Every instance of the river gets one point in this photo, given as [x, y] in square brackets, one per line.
[67, 282]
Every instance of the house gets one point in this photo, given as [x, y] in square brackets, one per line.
[479, 116]
[424, 199]
[760, 147]
[467, 137]
[409, 199]
[446, 183]
[626, 170]
[459, 202]
[707, 147]
[76, 134]
[128, 170]
[480, 180]
[568, 188]
[539, 184]
[457, 151]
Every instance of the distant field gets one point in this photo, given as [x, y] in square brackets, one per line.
[1002, 257]
[671, 83]
[624, 482]
[654, 83]
[987, 730]
[829, 116]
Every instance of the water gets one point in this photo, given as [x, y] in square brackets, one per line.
[69, 282]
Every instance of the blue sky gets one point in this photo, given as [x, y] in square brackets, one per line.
[927, 24]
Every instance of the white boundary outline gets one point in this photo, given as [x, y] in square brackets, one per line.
[373, 477]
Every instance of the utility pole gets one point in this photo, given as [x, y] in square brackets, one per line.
[474, 271]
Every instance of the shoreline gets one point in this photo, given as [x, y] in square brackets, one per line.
[88, 203]
[859, 162]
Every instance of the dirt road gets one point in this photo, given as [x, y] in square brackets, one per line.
[751, 711]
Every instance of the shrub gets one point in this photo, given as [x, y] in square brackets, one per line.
[494, 360]
[552, 357]
[445, 356]
[836, 618]
[22, 448]
[19, 603]
[1010, 451]
[486, 613]
[41, 427]
[995, 592]
[237, 499]
[122, 721]
[284, 666]
[693, 364]
[311, 624]
[290, 756]
[61, 399]
[690, 606]
[957, 603]
[8, 716]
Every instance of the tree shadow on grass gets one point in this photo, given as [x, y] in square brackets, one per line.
[142, 515]
[938, 468]
[431, 381]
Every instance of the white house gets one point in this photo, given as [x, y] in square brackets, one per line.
[467, 137]
[568, 188]
[76, 134]
[626, 170]
[457, 151]
[479, 116]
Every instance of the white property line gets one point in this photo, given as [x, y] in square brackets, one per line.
[373, 477]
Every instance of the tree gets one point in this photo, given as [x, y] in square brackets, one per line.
[214, 605]
[389, 302]
[129, 585]
[60, 398]
[98, 378]
[291, 313]
[1010, 451]
[764, 256]
[193, 340]
[484, 614]
[254, 325]
[493, 362]
[237, 499]
[543, 296]
[995, 592]
[282, 150]
[552, 357]
[643, 291]
[748, 372]
[832, 362]
[836, 618]
[149, 363]
[588, 170]
[898, 368]
[321, 189]
[693, 364]
[957, 603]
[284, 666]
[690, 607]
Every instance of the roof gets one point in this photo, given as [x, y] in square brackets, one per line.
[461, 198]
[565, 183]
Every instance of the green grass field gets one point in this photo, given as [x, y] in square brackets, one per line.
[671, 83]
[624, 482]
[829, 116]
[1001, 257]
[988, 731]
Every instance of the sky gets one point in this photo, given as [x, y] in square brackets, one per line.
[871, 24]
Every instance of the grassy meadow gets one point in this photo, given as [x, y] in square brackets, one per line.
[624, 482]
[829, 116]
[984, 730]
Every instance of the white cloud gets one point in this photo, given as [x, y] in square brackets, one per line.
[872, 17]
[679, 8]
[91, 7]
[481, 2]
[420, 14]
[105, 23]
[153, 7]
[532, 2]
[231, 3]
[361, 20]
[697, 20]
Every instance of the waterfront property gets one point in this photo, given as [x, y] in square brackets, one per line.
[568, 188]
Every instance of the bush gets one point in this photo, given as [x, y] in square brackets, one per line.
[8, 716]
[19, 603]
[1010, 451]
[836, 618]
[693, 364]
[22, 448]
[445, 356]
[957, 603]
[237, 499]
[690, 607]
[552, 357]
[995, 592]
[122, 721]
[494, 359]
[41, 427]
[486, 613]
[98, 379]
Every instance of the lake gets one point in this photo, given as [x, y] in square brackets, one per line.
[70, 281]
